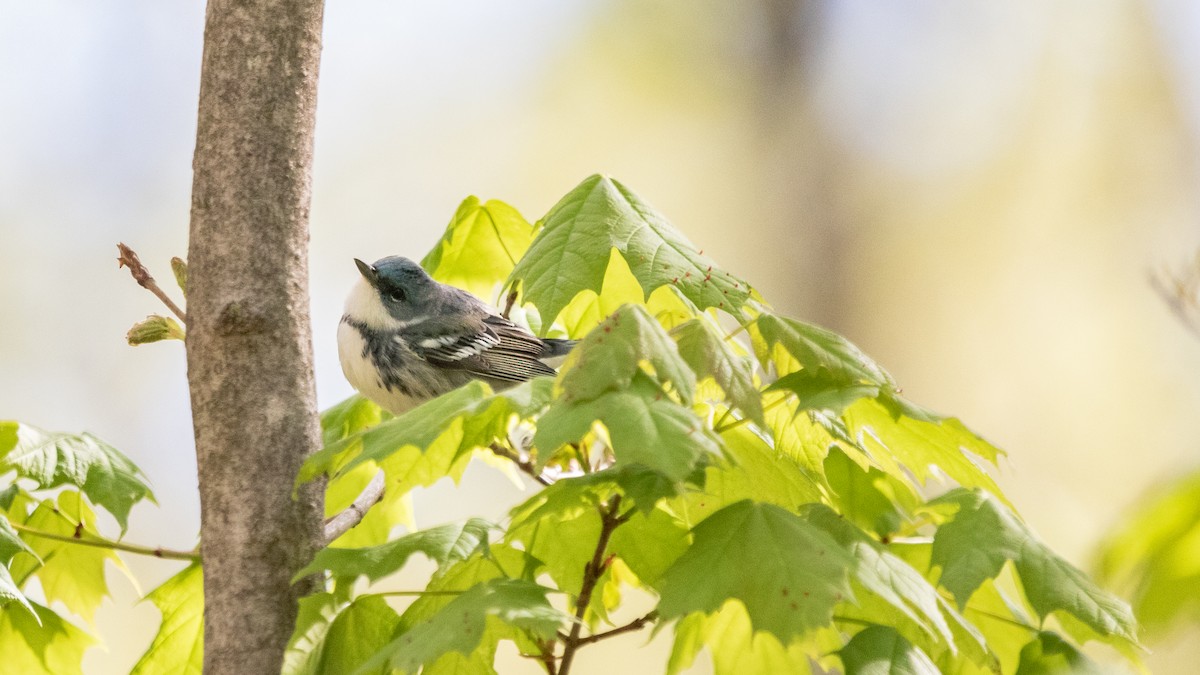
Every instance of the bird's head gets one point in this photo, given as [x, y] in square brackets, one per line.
[393, 291]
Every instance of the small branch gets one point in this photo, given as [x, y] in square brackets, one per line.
[547, 657]
[508, 303]
[142, 275]
[522, 463]
[636, 624]
[609, 522]
[352, 515]
[1181, 292]
[157, 552]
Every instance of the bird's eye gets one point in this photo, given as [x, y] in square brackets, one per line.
[397, 295]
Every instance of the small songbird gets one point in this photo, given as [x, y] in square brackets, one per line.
[406, 338]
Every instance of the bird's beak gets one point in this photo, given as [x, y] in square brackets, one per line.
[369, 273]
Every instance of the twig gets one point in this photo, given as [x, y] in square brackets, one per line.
[609, 521]
[547, 657]
[1181, 293]
[636, 624]
[352, 515]
[508, 303]
[142, 275]
[522, 463]
[154, 551]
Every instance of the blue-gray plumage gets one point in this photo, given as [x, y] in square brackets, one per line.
[406, 338]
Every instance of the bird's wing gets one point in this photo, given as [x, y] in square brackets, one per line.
[488, 346]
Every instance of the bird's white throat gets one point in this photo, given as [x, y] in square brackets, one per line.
[364, 306]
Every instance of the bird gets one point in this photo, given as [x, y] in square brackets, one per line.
[405, 338]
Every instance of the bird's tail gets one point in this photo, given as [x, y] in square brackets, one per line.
[554, 347]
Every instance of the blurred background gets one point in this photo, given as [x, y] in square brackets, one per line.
[973, 191]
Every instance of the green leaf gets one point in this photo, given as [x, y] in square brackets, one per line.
[1049, 654]
[349, 417]
[106, 476]
[443, 545]
[72, 573]
[737, 649]
[787, 573]
[1152, 555]
[870, 498]
[983, 534]
[335, 637]
[9, 591]
[481, 245]
[612, 355]
[178, 647]
[880, 650]
[154, 328]
[436, 438]
[707, 353]
[11, 543]
[41, 642]
[601, 214]
[823, 353]
[921, 446]
[645, 427]
[484, 566]
[754, 471]
[883, 574]
[459, 625]
[819, 392]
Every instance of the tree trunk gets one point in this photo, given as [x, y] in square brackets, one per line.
[249, 340]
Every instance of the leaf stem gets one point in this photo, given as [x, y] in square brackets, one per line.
[522, 463]
[742, 420]
[610, 519]
[142, 276]
[154, 551]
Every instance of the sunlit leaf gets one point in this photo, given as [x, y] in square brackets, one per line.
[52, 459]
[72, 574]
[1049, 654]
[1153, 555]
[788, 573]
[443, 545]
[481, 245]
[826, 355]
[599, 215]
[45, 643]
[707, 352]
[983, 534]
[611, 356]
[460, 625]
[645, 427]
[880, 650]
[9, 592]
[178, 647]
[338, 637]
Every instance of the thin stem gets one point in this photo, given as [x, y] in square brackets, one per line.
[142, 275]
[157, 552]
[742, 420]
[508, 302]
[592, 571]
[522, 463]
[417, 594]
[343, 522]
[636, 624]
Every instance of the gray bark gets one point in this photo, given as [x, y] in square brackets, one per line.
[249, 340]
